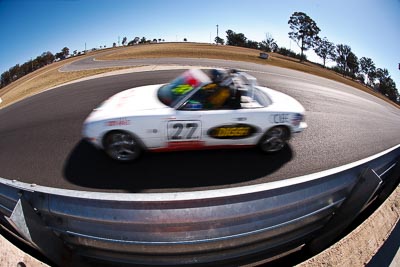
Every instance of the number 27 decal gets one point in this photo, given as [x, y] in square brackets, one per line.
[183, 130]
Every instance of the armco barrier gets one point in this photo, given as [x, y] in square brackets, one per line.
[216, 226]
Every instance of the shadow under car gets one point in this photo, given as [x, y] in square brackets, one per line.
[88, 167]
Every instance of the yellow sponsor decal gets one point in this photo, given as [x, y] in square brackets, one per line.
[232, 131]
[235, 131]
[182, 89]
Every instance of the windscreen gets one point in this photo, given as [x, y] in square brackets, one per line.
[170, 94]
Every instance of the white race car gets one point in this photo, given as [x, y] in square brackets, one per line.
[197, 110]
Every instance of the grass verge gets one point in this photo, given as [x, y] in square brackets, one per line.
[43, 79]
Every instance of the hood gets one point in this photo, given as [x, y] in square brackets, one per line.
[137, 101]
[281, 101]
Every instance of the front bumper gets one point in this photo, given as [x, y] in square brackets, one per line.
[303, 125]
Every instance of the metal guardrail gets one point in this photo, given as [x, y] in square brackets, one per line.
[200, 227]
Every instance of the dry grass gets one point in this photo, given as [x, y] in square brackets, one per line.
[49, 76]
[42, 79]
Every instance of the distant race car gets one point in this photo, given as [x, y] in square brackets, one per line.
[197, 110]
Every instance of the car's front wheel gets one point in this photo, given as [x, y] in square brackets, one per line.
[274, 139]
[122, 146]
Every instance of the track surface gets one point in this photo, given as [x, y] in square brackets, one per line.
[41, 136]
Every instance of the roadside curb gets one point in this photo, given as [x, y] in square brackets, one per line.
[359, 246]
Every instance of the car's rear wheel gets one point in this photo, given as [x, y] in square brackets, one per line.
[274, 139]
[122, 146]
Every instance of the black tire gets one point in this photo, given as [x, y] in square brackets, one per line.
[274, 139]
[122, 146]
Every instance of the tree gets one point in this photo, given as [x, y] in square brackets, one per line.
[219, 40]
[367, 67]
[236, 39]
[114, 44]
[5, 78]
[59, 55]
[386, 85]
[352, 64]
[124, 40]
[304, 31]
[269, 44]
[143, 40]
[325, 50]
[47, 57]
[135, 41]
[159, 40]
[184, 39]
[252, 44]
[342, 54]
[65, 51]
[154, 40]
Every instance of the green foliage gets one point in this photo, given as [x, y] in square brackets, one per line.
[304, 31]
[367, 66]
[289, 53]
[136, 40]
[325, 49]
[352, 64]
[18, 71]
[342, 53]
[219, 40]
[269, 44]
[143, 40]
[235, 39]
[386, 85]
[252, 44]
[65, 51]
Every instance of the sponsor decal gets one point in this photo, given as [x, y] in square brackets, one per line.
[120, 122]
[297, 119]
[183, 130]
[182, 89]
[235, 131]
[280, 118]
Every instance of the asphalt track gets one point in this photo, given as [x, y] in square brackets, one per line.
[40, 137]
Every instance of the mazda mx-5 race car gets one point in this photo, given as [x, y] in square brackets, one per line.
[197, 110]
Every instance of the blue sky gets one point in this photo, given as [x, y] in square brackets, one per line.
[29, 27]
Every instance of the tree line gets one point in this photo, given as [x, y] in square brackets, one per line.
[305, 33]
[138, 40]
[18, 71]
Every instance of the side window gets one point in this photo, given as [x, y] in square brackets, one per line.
[211, 97]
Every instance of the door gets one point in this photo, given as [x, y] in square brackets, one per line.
[229, 127]
[184, 130]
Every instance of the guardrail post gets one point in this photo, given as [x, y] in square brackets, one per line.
[361, 194]
[391, 184]
[29, 225]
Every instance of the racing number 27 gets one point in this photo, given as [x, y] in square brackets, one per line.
[178, 131]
